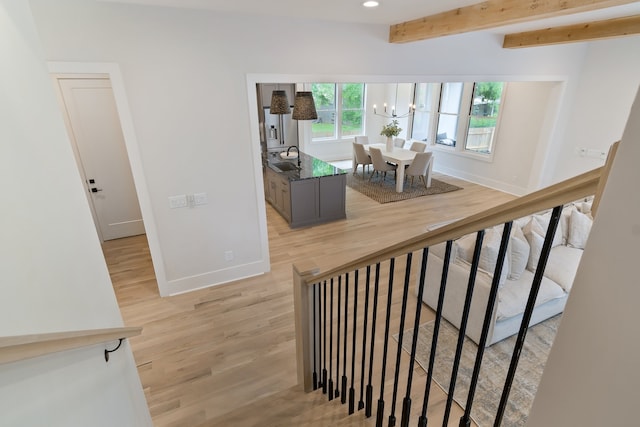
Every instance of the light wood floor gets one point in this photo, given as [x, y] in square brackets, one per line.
[226, 355]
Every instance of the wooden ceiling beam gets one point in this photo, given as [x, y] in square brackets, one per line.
[491, 13]
[596, 30]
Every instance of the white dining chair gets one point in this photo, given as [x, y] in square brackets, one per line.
[420, 167]
[418, 146]
[362, 139]
[398, 142]
[379, 164]
[361, 158]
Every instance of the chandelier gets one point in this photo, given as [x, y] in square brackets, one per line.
[394, 114]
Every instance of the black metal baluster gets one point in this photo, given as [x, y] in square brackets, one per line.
[406, 403]
[463, 324]
[465, 420]
[337, 391]
[324, 346]
[364, 337]
[343, 396]
[403, 315]
[330, 386]
[352, 390]
[422, 420]
[369, 401]
[528, 311]
[315, 343]
[380, 414]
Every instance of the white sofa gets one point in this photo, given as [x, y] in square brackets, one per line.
[523, 252]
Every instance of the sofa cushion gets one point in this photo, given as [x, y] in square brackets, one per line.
[488, 252]
[563, 265]
[579, 229]
[514, 294]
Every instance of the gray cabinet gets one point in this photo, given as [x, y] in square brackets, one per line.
[277, 192]
[306, 201]
[332, 197]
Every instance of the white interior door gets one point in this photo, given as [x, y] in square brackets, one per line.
[95, 132]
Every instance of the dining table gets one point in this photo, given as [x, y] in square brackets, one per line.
[399, 156]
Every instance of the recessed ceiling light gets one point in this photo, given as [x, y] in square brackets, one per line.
[370, 3]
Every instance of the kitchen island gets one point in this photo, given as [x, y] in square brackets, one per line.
[305, 190]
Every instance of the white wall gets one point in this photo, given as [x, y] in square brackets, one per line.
[524, 126]
[607, 85]
[52, 271]
[186, 74]
[591, 377]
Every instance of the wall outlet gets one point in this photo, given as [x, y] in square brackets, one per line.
[228, 255]
[178, 201]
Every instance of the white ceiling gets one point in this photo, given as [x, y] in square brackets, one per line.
[389, 12]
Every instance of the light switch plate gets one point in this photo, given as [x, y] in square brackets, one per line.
[200, 199]
[178, 201]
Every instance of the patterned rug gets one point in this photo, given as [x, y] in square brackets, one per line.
[495, 364]
[384, 191]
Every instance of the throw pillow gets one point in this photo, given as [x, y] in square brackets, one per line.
[440, 249]
[579, 229]
[534, 235]
[544, 220]
[564, 221]
[519, 253]
[488, 252]
[585, 207]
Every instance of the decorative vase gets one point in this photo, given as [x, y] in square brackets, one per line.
[389, 143]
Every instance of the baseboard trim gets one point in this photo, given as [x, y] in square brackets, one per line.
[215, 278]
[484, 181]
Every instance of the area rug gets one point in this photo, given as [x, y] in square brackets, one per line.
[384, 190]
[495, 364]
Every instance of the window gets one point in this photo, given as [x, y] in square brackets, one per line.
[448, 112]
[483, 116]
[324, 96]
[352, 109]
[345, 101]
[424, 96]
[439, 117]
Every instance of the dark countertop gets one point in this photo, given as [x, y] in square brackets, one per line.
[310, 167]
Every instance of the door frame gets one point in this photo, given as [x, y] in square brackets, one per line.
[112, 71]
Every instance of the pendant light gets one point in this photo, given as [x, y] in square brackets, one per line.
[304, 108]
[280, 105]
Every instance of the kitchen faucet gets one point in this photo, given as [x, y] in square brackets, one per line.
[294, 146]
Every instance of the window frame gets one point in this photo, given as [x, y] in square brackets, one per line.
[339, 109]
[496, 127]
[462, 129]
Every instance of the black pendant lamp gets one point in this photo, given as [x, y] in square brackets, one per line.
[303, 107]
[279, 103]
[280, 106]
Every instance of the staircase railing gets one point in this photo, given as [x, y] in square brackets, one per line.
[320, 324]
[21, 347]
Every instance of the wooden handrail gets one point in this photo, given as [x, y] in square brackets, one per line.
[20, 347]
[604, 177]
[564, 192]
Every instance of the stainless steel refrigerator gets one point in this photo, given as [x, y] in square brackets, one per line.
[277, 131]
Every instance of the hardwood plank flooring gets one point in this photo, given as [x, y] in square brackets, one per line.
[225, 355]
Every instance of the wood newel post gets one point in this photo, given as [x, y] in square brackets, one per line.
[303, 312]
